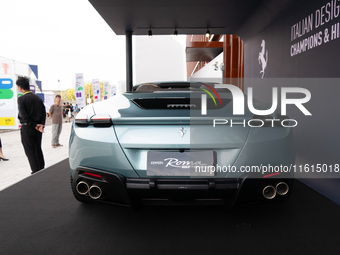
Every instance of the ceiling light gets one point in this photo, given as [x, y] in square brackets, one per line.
[176, 32]
[208, 33]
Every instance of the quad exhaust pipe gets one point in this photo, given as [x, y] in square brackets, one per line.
[82, 188]
[94, 191]
[282, 188]
[269, 192]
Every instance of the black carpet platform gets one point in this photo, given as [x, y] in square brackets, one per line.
[40, 216]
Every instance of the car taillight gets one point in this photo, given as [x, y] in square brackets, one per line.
[101, 120]
[81, 120]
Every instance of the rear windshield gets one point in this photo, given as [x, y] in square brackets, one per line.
[170, 86]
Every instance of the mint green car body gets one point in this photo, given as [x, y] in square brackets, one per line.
[112, 153]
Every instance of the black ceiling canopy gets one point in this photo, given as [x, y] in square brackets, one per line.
[188, 16]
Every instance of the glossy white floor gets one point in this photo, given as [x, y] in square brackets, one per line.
[17, 168]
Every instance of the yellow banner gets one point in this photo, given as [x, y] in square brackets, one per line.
[7, 121]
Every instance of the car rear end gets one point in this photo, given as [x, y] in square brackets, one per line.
[157, 148]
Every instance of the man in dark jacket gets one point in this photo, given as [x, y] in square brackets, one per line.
[32, 116]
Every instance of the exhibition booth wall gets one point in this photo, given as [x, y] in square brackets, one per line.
[300, 48]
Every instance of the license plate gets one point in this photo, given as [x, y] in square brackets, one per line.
[170, 163]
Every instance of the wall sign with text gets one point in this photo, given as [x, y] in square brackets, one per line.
[8, 102]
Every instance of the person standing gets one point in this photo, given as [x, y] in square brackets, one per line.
[75, 109]
[72, 109]
[32, 116]
[68, 112]
[64, 110]
[57, 121]
[2, 157]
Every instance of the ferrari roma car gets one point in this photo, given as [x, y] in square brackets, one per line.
[179, 143]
